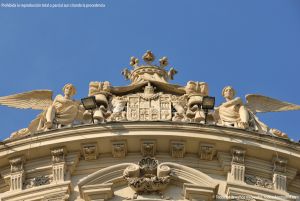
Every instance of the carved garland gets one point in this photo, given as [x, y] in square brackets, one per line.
[147, 176]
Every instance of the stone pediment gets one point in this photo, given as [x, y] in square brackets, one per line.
[102, 184]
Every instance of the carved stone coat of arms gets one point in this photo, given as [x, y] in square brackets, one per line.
[152, 107]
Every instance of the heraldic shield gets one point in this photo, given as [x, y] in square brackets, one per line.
[149, 108]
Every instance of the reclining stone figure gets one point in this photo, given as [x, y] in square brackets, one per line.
[234, 113]
[60, 112]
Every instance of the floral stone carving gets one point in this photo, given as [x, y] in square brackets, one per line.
[147, 176]
[258, 181]
[38, 181]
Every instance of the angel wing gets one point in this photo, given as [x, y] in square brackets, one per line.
[259, 103]
[36, 99]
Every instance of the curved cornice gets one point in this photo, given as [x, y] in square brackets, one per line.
[153, 130]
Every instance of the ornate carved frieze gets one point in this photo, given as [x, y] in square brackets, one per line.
[177, 149]
[90, 151]
[238, 155]
[38, 181]
[206, 151]
[147, 176]
[41, 180]
[258, 181]
[148, 148]
[119, 149]
[58, 154]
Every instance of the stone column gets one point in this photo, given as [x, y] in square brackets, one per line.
[59, 164]
[279, 177]
[237, 172]
[16, 173]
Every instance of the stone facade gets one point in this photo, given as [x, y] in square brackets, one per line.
[62, 171]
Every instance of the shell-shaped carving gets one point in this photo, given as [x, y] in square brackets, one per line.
[148, 166]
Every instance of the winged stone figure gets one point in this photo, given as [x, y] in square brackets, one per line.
[234, 113]
[62, 111]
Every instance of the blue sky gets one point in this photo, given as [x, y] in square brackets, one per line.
[251, 45]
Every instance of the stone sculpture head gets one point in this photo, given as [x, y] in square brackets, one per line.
[203, 88]
[106, 86]
[228, 92]
[190, 87]
[69, 90]
[200, 88]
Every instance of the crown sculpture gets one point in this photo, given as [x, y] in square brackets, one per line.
[149, 97]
